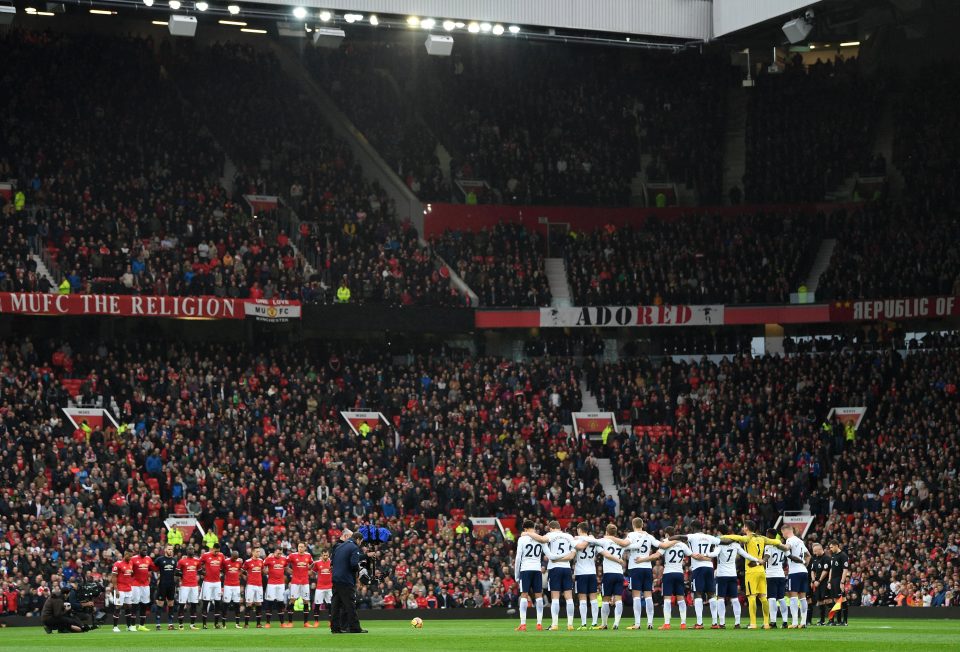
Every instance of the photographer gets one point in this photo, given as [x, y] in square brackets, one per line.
[81, 601]
[345, 565]
[56, 614]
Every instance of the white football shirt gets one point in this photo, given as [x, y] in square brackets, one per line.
[774, 558]
[642, 544]
[615, 550]
[701, 544]
[673, 557]
[560, 544]
[587, 558]
[727, 559]
[798, 549]
[529, 553]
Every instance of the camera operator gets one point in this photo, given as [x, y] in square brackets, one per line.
[56, 614]
[345, 566]
[81, 603]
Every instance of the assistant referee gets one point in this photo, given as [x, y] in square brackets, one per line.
[344, 566]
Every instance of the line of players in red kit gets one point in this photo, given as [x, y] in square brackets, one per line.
[258, 584]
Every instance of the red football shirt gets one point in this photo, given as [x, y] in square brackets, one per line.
[189, 570]
[231, 572]
[212, 565]
[254, 568]
[276, 569]
[142, 566]
[300, 563]
[324, 576]
[124, 572]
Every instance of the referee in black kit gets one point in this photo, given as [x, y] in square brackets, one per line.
[344, 566]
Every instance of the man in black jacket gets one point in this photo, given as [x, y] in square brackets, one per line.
[345, 563]
[56, 615]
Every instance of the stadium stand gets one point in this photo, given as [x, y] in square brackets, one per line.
[800, 143]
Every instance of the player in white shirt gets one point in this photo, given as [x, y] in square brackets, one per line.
[702, 580]
[674, 552]
[798, 582]
[611, 548]
[560, 552]
[727, 585]
[585, 573]
[642, 549]
[774, 559]
[527, 571]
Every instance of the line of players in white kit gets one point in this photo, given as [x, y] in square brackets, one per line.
[636, 554]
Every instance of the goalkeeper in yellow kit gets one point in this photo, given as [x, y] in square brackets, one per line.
[755, 575]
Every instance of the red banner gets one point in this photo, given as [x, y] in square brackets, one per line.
[24, 303]
[892, 309]
[261, 203]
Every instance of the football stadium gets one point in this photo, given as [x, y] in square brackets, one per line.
[479, 325]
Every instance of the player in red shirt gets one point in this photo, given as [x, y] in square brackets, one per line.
[211, 590]
[300, 563]
[324, 592]
[140, 592]
[122, 580]
[232, 568]
[253, 594]
[276, 565]
[189, 570]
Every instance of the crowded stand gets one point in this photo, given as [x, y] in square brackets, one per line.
[147, 214]
[927, 138]
[378, 110]
[755, 258]
[348, 231]
[508, 120]
[799, 146]
[503, 265]
[71, 497]
[893, 249]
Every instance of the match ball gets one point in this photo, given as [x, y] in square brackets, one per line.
[416, 623]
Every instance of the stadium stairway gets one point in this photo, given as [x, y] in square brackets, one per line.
[820, 263]
[735, 140]
[42, 271]
[604, 466]
[605, 469]
[556, 271]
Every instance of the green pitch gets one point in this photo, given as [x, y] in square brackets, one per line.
[498, 636]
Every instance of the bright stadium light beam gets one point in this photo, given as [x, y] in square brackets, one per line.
[497, 30]
[299, 13]
[428, 23]
[473, 28]
[449, 25]
[233, 9]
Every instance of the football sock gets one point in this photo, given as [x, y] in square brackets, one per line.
[698, 609]
[649, 602]
[803, 611]
[712, 602]
[794, 610]
[617, 613]
[722, 612]
[735, 607]
[784, 609]
[554, 611]
[539, 603]
[682, 605]
[604, 614]
[570, 612]
[583, 613]
[765, 607]
[523, 611]
[752, 608]
[667, 608]
[637, 610]
[772, 608]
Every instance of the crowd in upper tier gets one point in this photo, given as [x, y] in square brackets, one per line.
[253, 436]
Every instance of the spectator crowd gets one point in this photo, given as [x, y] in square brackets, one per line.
[253, 437]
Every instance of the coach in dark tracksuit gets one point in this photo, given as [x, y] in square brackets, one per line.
[344, 566]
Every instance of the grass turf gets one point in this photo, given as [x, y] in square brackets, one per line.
[498, 636]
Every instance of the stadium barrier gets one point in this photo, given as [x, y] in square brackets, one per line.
[856, 613]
